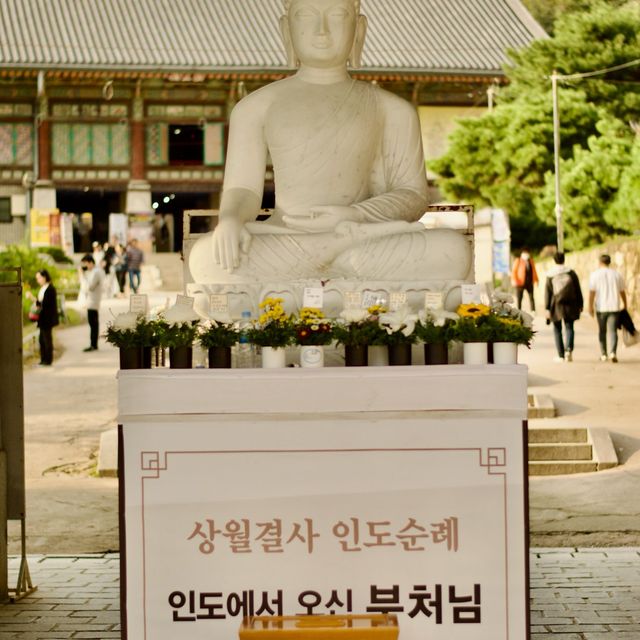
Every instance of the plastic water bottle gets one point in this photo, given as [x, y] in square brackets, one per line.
[245, 355]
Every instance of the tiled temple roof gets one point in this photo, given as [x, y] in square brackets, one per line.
[465, 37]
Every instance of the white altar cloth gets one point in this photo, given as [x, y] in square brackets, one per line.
[399, 489]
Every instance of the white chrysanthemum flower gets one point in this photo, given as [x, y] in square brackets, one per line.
[125, 321]
[353, 315]
[400, 320]
[436, 317]
[179, 314]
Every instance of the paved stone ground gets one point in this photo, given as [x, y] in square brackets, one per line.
[77, 597]
[585, 594]
[576, 594]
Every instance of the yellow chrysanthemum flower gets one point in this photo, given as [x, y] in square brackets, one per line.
[311, 316]
[377, 309]
[509, 321]
[271, 302]
[473, 310]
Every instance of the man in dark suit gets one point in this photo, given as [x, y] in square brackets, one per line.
[47, 302]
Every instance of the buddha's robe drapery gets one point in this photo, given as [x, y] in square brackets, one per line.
[349, 144]
[360, 154]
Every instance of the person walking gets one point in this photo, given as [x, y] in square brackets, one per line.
[47, 303]
[111, 284]
[91, 286]
[563, 302]
[607, 297]
[135, 258]
[120, 267]
[524, 277]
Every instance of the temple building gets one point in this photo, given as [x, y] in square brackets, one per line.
[121, 106]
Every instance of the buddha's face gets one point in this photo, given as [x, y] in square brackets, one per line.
[322, 31]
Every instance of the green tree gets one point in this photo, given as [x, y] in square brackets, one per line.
[590, 182]
[546, 12]
[505, 158]
[624, 211]
[502, 158]
[584, 42]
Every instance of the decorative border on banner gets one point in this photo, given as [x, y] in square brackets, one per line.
[153, 463]
[494, 458]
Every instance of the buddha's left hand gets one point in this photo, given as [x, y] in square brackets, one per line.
[324, 218]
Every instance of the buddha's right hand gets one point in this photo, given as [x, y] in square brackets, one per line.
[230, 238]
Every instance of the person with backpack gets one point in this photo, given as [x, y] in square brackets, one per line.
[564, 303]
[524, 277]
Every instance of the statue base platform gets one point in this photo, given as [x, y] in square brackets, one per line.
[395, 490]
[247, 297]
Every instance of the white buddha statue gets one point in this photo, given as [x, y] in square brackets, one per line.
[349, 172]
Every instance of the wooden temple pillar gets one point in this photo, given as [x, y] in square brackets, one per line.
[44, 192]
[138, 190]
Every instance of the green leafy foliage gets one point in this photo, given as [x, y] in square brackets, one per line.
[146, 334]
[58, 255]
[397, 337]
[624, 210]
[509, 330]
[472, 330]
[585, 41]
[505, 158]
[357, 334]
[431, 333]
[30, 261]
[546, 12]
[176, 335]
[219, 334]
[272, 334]
[122, 339]
[590, 184]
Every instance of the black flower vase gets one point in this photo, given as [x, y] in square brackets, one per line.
[490, 352]
[180, 357]
[130, 358]
[436, 353]
[146, 357]
[356, 355]
[220, 358]
[399, 354]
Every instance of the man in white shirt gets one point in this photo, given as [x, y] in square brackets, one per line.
[607, 297]
[91, 285]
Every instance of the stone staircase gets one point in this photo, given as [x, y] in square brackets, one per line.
[565, 450]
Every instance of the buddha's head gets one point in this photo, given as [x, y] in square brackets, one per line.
[323, 33]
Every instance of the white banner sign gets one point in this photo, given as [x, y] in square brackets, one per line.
[228, 516]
